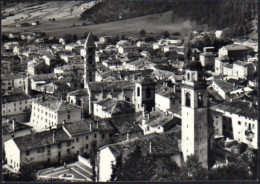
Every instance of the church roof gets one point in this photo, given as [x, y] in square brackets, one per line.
[90, 41]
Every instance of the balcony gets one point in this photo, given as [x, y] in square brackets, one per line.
[249, 134]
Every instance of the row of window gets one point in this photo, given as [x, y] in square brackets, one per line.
[15, 109]
[249, 124]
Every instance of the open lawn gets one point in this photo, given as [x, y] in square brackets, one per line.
[155, 23]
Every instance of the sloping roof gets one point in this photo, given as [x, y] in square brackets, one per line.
[108, 86]
[167, 92]
[11, 76]
[236, 47]
[90, 41]
[44, 77]
[241, 63]
[55, 104]
[79, 92]
[115, 106]
[40, 139]
[225, 86]
[238, 107]
[158, 118]
[126, 123]
[161, 144]
[14, 95]
[83, 126]
[7, 127]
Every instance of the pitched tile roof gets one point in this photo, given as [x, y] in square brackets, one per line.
[44, 77]
[15, 95]
[238, 107]
[55, 104]
[236, 47]
[79, 92]
[126, 123]
[167, 92]
[7, 127]
[161, 144]
[158, 118]
[83, 126]
[225, 86]
[40, 139]
[242, 63]
[115, 106]
[108, 86]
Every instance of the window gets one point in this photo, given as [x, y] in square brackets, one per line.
[86, 137]
[59, 145]
[68, 144]
[68, 116]
[3, 111]
[200, 99]
[239, 123]
[188, 76]
[187, 102]
[77, 139]
[68, 150]
[245, 123]
[49, 146]
[86, 146]
[253, 126]
[138, 91]
[27, 152]
[103, 136]
[95, 135]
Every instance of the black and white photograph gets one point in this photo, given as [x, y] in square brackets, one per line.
[129, 90]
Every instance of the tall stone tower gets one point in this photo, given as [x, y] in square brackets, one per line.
[195, 114]
[89, 60]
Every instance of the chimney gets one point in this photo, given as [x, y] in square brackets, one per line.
[8, 120]
[64, 122]
[148, 116]
[13, 124]
[97, 124]
[152, 108]
[90, 127]
[127, 136]
[150, 147]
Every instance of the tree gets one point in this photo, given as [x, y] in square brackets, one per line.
[166, 34]
[117, 169]
[27, 172]
[93, 157]
[142, 32]
[193, 170]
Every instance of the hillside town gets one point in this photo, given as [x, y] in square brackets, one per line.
[90, 108]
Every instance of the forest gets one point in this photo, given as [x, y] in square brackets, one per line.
[234, 17]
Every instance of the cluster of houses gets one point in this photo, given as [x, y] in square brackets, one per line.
[69, 100]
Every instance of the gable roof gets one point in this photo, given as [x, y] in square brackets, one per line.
[161, 144]
[225, 86]
[108, 86]
[83, 126]
[56, 105]
[126, 123]
[238, 107]
[7, 127]
[115, 106]
[40, 139]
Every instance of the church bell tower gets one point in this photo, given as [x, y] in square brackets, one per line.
[89, 60]
[195, 114]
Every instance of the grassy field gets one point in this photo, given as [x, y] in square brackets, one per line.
[155, 23]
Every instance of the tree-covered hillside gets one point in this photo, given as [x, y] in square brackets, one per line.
[233, 16]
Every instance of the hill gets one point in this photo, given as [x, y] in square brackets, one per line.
[235, 17]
